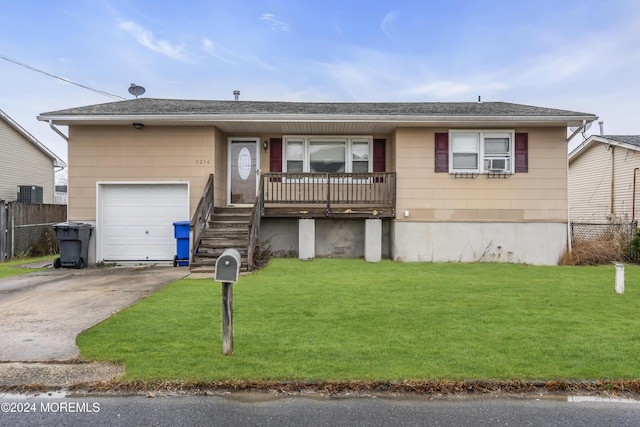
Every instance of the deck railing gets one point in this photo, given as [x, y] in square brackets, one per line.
[202, 214]
[254, 229]
[330, 190]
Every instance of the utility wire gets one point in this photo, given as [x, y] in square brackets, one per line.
[101, 92]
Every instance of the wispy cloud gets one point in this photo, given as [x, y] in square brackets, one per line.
[218, 52]
[146, 38]
[388, 22]
[273, 23]
[453, 90]
[226, 55]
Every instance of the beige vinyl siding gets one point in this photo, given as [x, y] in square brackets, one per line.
[23, 164]
[539, 195]
[124, 154]
[220, 171]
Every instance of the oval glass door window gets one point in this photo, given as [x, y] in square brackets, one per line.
[244, 163]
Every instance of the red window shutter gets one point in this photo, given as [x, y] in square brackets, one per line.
[275, 155]
[442, 152]
[379, 155]
[522, 152]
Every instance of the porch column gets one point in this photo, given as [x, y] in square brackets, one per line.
[306, 239]
[373, 240]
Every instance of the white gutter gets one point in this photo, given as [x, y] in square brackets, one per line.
[581, 128]
[312, 118]
[58, 131]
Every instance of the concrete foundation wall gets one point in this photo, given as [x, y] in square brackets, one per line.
[530, 243]
[334, 238]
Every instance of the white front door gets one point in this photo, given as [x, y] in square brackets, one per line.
[244, 157]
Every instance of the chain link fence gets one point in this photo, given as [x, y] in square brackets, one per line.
[619, 235]
[35, 240]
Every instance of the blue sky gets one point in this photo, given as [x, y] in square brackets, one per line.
[580, 55]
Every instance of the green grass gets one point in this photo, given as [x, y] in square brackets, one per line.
[11, 268]
[350, 320]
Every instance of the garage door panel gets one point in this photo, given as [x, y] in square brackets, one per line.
[137, 222]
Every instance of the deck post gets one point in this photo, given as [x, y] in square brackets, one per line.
[306, 239]
[373, 240]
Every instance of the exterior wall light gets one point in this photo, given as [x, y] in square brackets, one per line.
[265, 145]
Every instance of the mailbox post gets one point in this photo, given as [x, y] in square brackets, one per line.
[227, 271]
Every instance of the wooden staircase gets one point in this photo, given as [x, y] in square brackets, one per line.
[228, 229]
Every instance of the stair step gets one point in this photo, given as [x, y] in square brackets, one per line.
[239, 225]
[239, 214]
[242, 211]
[222, 245]
[216, 253]
[211, 268]
[212, 263]
[228, 228]
[222, 230]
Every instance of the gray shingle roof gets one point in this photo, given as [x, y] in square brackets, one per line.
[625, 139]
[151, 106]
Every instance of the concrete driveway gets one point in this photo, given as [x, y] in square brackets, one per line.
[42, 313]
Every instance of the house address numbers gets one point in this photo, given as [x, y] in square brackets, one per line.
[203, 162]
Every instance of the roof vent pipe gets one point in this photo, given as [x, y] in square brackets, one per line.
[601, 123]
[479, 99]
[236, 94]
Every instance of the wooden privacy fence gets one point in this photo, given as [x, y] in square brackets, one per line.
[27, 228]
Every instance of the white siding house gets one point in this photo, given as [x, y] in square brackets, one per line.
[603, 174]
[25, 161]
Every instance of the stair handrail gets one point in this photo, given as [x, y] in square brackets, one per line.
[201, 216]
[254, 225]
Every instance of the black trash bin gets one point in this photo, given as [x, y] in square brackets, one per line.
[74, 244]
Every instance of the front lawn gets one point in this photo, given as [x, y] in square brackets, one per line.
[333, 319]
[13, 268]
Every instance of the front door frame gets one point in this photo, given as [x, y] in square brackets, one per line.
[230, 141]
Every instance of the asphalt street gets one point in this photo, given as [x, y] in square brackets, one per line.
[242, 409]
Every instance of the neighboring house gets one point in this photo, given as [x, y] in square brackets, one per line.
[481, 181]
[603, 174]
[27, 168]
[61, 194]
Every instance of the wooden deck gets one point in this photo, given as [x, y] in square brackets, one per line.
[286, 195]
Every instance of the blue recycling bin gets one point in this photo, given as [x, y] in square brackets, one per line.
[181, 233]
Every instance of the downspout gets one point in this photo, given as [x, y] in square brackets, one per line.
[613, 170]
[58, 131]
[633, 198]
[577, 131]
[568, 205]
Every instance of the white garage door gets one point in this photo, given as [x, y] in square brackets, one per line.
[136, 221]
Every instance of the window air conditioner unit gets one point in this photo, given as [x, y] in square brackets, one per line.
[499, 164]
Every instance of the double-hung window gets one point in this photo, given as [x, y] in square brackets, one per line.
[481, 151]
[317, 154]
[294, 153]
